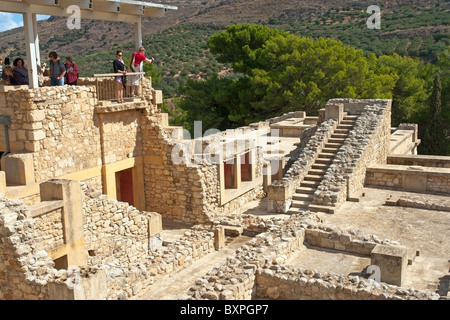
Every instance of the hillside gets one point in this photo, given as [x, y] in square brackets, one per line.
[178, 41]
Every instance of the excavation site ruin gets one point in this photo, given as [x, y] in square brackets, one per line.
[105, 200]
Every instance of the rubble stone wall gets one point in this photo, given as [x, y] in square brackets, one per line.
[281, 191]
[419, 160]
[185, 191]
[115, 231]
[258, 271]
[288, 283]
[118, 246]
[25, 266]
[51, 229]
[367, 144]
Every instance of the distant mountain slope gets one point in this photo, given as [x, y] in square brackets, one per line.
[409, 27]
[95, 36]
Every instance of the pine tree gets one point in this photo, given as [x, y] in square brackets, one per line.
[434, 138]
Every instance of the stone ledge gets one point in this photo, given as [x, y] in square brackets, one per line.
[126, 106]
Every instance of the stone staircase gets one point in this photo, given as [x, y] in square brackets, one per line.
[304, 195]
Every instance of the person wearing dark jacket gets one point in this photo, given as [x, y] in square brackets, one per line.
[18, 75]
[119, 67]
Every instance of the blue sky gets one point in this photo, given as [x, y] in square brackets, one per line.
[13, 20]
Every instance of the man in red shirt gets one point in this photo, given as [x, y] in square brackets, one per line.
[135, 65]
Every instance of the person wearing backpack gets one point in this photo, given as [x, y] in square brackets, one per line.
[57, 70]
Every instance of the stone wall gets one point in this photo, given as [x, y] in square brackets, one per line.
[257, 270]
[118, 248]
[280, 192]
[188, 190]
[25, 267]
[51, 229]
[367, 144]
[288, 283]
[56, 125]
[419, 160]
[121, 136]
[114, 231]
[421, 179]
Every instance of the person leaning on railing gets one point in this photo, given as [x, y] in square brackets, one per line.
[135, 66]
[121, 81]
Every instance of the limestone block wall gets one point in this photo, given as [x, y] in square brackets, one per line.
[422, 179]
[186, 190]
[121, 136]
[56, 125]
[114, 231]
[367, 144]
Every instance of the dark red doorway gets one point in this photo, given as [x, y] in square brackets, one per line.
[124, 183]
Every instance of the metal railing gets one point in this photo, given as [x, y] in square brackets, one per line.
[106, 85]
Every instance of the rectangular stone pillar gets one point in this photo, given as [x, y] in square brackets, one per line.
[19, 168]
[219, 238]
[392, 261]
[334, 111]
[267, 178]
[70, 192]
[154, 231]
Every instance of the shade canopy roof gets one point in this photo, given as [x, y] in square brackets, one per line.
[111, 10]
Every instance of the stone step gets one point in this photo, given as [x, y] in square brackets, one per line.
[349, 117]
[330, 150]
[309, 184]
[326, 161]
[327, 155]
[336, 140]
[317, 172]
[302, 197]
[319, 208]
[339, 135]
[301, 204]
[345, 124]
[305, 190]
[320, 166]
[342, 130]
[312, 177]
[333, 145]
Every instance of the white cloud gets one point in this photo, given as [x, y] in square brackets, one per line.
[10, 21]
[14, 20]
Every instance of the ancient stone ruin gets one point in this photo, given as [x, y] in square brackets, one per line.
[88, 187]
